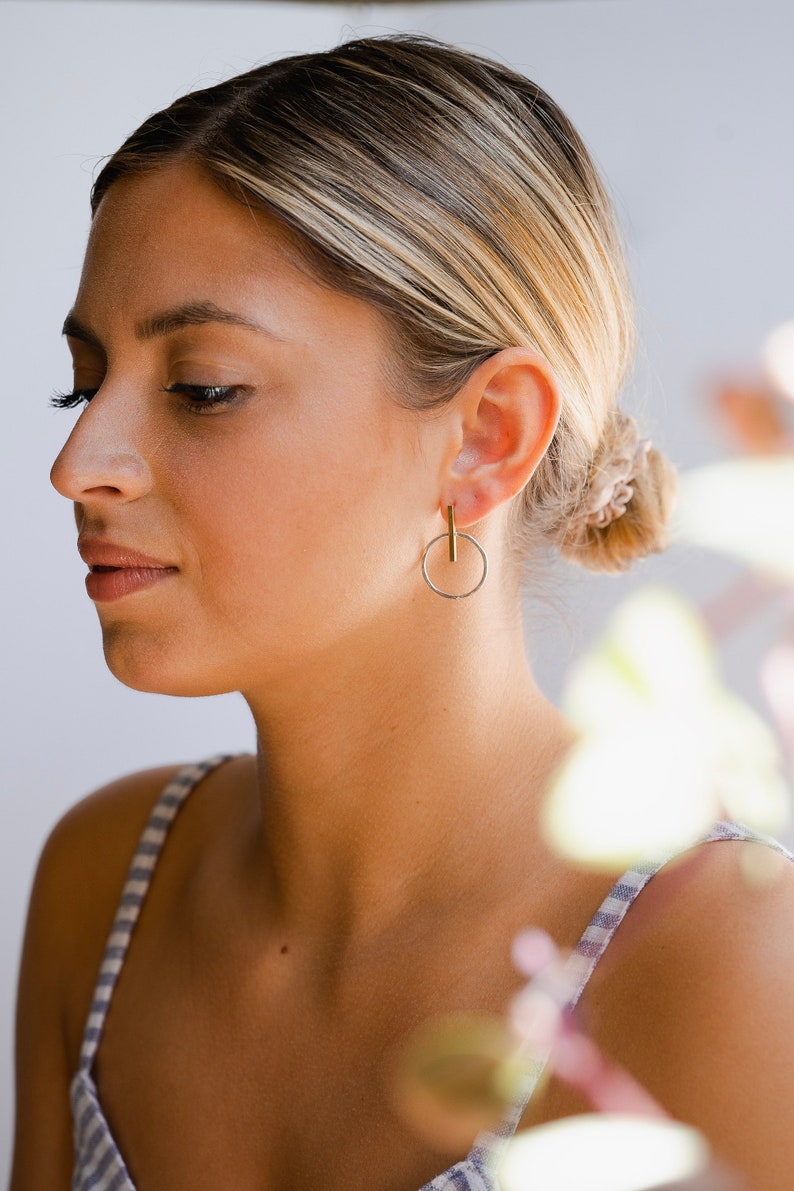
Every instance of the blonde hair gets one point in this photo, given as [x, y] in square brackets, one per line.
[454, 194]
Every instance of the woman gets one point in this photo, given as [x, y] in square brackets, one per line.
[341, 318]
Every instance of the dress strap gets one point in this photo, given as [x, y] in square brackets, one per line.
[616, 904]
[586, 955]
[135, 889]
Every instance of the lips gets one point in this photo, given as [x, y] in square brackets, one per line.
[118, 571]
[98, 553]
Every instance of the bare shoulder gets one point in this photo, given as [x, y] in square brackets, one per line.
[108, 817]
[695, 996]
[76, 888]
[91, 845]
[78, 883]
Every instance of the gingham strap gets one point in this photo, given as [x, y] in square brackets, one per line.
[132, 897]
[615, 905]
[598, 935]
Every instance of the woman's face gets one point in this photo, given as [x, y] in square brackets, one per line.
[291, 517]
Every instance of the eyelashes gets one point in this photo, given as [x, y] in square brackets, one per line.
[197, 398]
[70, 400]
[210, 396]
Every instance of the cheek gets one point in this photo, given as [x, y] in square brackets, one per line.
[299, 531]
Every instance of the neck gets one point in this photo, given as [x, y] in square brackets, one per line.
[393, 773]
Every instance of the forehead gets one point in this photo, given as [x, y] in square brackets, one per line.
[172, 235]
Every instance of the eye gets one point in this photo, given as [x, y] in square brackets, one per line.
[70, 400]
[202, 398]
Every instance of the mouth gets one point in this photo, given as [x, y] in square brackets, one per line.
[116, 570]
[101, 556]
[104, 570]
[105, 583]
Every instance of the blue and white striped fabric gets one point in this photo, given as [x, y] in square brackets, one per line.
[99, 1165]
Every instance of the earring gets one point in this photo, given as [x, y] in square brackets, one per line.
[451, 536]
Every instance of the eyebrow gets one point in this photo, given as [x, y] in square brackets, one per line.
[190, 314]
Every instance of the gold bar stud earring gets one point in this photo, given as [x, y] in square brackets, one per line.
[453, 537]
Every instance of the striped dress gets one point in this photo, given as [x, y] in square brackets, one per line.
[99, 1165]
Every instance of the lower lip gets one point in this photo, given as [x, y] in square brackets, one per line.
[112, 585]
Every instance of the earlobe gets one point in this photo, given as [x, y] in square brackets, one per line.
[509, 410]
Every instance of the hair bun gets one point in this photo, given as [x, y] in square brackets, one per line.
[627, 501]
[610, 486]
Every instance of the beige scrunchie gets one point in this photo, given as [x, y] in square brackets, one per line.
[611, 488]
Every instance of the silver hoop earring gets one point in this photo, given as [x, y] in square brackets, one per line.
[451, 536]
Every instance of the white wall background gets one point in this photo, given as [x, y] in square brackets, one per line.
[687, 106]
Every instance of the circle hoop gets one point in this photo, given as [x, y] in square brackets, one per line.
[448, 595]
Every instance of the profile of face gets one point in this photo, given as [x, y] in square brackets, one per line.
[264, 461]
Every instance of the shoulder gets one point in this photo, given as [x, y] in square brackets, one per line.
[122, 804]
[723, 911]
[695, 996]
[88, 849]
[78, 883]
[76, 888]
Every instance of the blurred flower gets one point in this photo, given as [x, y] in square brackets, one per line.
[542, 1016]
[460, 1076]
[753, 416]
[629, 1143]
[742, 508]
[777, 684]
[456, 1077]
[778, 357]
[665, 749]
[748, 766]
[603, 1152]
[537, 1012]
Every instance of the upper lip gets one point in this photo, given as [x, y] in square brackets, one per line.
[96, 552]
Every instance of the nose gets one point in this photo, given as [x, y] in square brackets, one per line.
[100, 460]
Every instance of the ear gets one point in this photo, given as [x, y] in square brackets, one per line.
[505, 418]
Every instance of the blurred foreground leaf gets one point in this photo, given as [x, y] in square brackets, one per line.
[742, 508]
[665, 748]
[601, 1152]
[778, 356]
[457, 1076]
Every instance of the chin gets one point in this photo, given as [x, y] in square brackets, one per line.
[159, 666]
